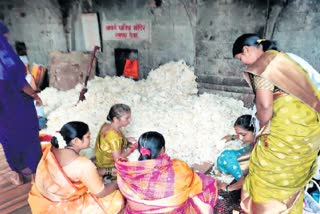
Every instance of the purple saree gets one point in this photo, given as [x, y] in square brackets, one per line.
[18, 119]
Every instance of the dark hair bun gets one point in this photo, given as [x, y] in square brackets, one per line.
[269, 45]
[54, 142]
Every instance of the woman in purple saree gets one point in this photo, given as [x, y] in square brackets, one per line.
[18, 119]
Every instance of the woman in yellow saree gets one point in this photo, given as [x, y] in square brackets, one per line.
[68, 183]
[288, 106]
[111, 143]
[159, 184]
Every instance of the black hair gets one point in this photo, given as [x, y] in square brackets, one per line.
[153, 141]
[21, 48]
[246, 122]
[118, 110]
[251, 39]
[71, 130]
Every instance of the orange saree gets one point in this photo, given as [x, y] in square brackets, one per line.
[163, 185]
[70, 189]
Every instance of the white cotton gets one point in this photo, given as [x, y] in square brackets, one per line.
[166, 102]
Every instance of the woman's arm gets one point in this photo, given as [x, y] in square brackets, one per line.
[89, 176]
[264, 101]
[124, 154]
[29, 91]
[108, 189]
[33, 83]
[228, 138]
[117, 154]
[133, 145]
[237, 185]
[132, 140]
[107, 171]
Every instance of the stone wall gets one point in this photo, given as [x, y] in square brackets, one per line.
[294, 24]
[216, 29]
[38, 23]
[171, 32]
[199, 31]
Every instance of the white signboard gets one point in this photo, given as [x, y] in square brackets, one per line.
[127, 30]
[90, 29]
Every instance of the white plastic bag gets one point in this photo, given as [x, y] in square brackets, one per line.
[317, 175]
[313, 74]
[311, 206]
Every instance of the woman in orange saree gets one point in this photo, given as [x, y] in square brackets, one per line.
[158, 184]
[68, 183]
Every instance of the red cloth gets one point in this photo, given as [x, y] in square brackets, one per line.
[131, 69]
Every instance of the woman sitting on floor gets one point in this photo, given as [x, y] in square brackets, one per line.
[111, 143]
[235, 162]
[158, 184]
[69, 183]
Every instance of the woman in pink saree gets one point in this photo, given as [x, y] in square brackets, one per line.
[158, 184]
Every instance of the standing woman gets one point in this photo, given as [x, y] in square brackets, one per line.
[18, 119]
[288, 106]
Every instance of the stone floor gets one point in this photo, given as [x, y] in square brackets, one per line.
[228, 202]
[13, 199]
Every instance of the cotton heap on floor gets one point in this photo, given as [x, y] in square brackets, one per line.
[166, 101]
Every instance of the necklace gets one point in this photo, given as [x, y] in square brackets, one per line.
[72, 149]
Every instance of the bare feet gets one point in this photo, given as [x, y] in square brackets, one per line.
[15, 178]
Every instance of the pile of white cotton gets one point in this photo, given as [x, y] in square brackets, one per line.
[166, 102]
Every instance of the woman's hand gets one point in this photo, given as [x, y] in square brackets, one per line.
[235, 186]
[228, 138]
[133, 147]
[222, 186]
[102, 171]
[38, 101]
[114, 172]
[32, 93]
[108, 189]
[122, 159]
[132, 140]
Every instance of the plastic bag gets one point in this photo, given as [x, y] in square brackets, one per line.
[317, 175]
[310, 204]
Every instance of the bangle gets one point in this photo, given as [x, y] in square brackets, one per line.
[227, 188]
[108, 172]
[232, 137]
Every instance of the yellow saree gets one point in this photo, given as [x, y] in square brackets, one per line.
[55, 192]
[106, 143]
[284, 160]
[163, 185]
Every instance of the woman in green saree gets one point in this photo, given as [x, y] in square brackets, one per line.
[288, 106]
